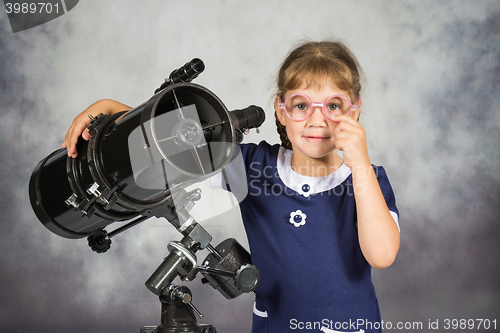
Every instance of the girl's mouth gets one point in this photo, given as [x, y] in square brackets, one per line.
[315, 138]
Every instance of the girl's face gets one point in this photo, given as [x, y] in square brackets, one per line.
[314, 136]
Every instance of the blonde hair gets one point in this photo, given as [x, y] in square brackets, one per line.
[317, 64]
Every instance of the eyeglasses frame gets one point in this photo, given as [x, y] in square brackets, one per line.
[317, 104]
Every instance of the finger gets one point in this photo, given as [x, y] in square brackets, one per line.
[69, 141]
[342, 136]
[344, 127]
[347, 126]
[346, 118]
[340, 144]
[345, 145]
[86, 135]
[73, 137]
[66, 144]
[346, 138]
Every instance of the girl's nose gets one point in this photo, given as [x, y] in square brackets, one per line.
[317, 116]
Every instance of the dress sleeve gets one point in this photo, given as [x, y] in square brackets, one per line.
[387, 191]
[233, 177]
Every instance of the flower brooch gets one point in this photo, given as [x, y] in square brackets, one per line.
[304, 189]
[297, 218]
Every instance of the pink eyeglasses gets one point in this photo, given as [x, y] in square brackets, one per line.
[299, 107]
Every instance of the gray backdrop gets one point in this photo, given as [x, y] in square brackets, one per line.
[430, 109]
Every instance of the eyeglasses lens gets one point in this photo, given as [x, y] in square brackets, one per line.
[337, 105]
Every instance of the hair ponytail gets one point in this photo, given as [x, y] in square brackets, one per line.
[285, 142]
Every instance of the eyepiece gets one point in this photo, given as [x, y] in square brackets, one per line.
[188, 72]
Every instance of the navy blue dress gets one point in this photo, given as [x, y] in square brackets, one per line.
[303, 238]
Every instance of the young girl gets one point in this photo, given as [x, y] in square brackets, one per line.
[316, 222]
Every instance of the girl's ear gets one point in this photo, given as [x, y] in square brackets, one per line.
[355, 114]
[279, 111]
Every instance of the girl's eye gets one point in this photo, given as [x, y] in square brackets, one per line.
[301, 107]
[332, 107]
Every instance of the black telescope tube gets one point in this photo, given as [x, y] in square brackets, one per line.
[250, 117]
[58, 185]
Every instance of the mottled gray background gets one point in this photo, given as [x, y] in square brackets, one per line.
[430, 109]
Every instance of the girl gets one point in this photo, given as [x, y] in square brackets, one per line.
[316, 222]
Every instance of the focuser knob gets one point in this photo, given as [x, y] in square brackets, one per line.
[247, 278]
[99, 241]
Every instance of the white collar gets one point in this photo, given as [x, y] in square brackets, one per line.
[306, 185]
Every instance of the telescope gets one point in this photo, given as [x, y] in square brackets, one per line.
[137, 164]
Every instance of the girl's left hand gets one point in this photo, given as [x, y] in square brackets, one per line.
[350, 138]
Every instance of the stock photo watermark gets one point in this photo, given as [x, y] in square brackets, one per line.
[261, 182]
[360, 325]
[25, 14]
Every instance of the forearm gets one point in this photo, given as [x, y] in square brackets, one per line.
[79, 126]
[106, 106]
[377, 231]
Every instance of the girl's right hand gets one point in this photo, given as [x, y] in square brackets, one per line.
[79, 126]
